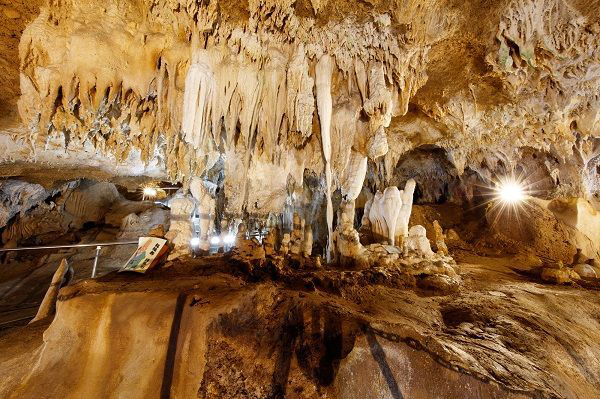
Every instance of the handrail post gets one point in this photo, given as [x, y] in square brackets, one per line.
[98, 248]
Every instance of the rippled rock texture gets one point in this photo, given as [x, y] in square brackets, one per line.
[204, 328]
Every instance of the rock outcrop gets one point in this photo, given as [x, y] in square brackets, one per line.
[211, 333]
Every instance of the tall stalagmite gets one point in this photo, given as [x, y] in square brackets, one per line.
[325, 106]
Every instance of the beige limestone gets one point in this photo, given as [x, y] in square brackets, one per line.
[180, 231]
[49, 302]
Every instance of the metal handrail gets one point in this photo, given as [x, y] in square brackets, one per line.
[101, 244]
[98, 246]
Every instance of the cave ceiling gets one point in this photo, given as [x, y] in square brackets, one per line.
[169, 89]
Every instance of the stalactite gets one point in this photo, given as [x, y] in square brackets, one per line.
[356, 169]
[199, 88]
[300, 97]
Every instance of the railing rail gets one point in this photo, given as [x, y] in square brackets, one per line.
[98, 246]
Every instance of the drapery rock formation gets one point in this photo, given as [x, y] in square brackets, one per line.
[183, 84]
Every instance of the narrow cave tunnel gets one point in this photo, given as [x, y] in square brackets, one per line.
[302, 199]
[436, 178]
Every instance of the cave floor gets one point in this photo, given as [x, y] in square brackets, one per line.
[501, 326]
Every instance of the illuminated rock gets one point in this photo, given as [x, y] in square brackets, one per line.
[180, 231]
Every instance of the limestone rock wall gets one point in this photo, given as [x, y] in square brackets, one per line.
[18, 197]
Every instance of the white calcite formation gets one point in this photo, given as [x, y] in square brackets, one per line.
[417, 242]
[389, 213]
[414, 258]
[205, 208]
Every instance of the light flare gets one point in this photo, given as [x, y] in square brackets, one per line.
[229, 239]
[511, 192]
[150, 192]
[510, 196]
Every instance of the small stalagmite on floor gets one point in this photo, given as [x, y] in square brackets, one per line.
[61, 278]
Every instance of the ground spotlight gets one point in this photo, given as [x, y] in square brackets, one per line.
[150, 192]
[195, 242]
[229, 239]
[215, 240]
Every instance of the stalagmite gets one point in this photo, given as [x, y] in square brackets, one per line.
[308, 242]
[404, 214]
[417, 241]
[440, 243]
[392, 203]
[270, 241]
[205, 207]
[324, 70]
[180, 231]
[62, 277]
[389, 213]
[285, 244]
[349, 250]
[297, 236]
[376, 217]
[365, 222]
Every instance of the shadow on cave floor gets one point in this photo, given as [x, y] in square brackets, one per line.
[379, 355]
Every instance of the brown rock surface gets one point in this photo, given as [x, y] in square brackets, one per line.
[14, 16]
[201, 329]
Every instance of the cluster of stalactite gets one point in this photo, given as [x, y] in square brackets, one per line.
[274, 95]
[274, 90]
